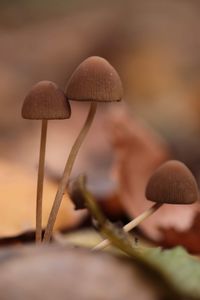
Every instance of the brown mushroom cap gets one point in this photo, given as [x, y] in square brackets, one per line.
[46, 101]
[95, 80]
[172, 183]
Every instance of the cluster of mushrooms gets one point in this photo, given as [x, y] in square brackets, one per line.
[95, 80]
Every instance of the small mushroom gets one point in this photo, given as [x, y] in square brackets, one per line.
[95, 81]
[171, 183]
[45, 101]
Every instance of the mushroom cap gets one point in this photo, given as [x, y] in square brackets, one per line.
[94, 80]
[172, 183]
[46, 101]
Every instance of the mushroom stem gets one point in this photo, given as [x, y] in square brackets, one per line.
[40, 182]
[67, 171]
[128, 227]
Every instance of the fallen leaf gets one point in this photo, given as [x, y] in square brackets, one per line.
[138, 152]
[18, 198]
[85, 238]
[182, 269]
[189, 239]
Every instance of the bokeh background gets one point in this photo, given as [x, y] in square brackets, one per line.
[154, 45]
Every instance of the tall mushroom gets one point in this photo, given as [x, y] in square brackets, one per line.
[45, 101]
[171, 183]
[96, 81]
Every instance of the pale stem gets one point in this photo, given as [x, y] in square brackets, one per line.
[67, 171]
[40, 182]
[128, 227]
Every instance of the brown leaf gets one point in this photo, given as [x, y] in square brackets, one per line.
[139, 151]
[18, 198]
[189, 238]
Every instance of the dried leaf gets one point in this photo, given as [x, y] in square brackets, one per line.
[139, 151]
[18, 198]
[189, 238]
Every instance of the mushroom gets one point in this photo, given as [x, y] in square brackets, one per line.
[96, 81]
[171, 183]
[45, 101]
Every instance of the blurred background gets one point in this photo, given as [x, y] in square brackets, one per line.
[155, 47]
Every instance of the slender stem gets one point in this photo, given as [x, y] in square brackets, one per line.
[128, 227]
[67, 171]
[40, 182]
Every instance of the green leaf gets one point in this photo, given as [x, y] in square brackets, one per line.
[181, 269]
